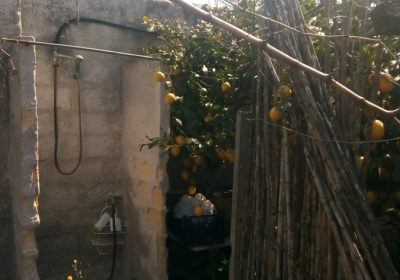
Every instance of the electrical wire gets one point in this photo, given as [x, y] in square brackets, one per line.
[325, 139]
[56, 127]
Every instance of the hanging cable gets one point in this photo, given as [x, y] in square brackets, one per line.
[77, 11]
[92, 20]
[56, 126]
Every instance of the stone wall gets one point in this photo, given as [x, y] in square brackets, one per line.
[69, 204]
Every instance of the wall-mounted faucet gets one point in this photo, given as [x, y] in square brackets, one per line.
[77, 59]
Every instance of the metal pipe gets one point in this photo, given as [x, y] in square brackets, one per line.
[36, 43]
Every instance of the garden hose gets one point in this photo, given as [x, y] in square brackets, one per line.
[99, 21]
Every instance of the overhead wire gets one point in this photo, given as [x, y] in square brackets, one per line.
[324, 139]
[311, 34]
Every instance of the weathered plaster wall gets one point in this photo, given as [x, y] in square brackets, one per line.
[7, 260]
[9, 27]
[144, 178]
[23, 161]
[10, 24]
[69, 204]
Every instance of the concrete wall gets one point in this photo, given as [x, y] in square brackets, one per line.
[144, 178]
[7, 260]
[23, 161]
[9, 27]
[69, 204]
[10, 21]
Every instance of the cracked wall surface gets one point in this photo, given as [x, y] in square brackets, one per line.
[9, 27]
[144, 177]
[7, 258]
[69, 204]
[23, 161]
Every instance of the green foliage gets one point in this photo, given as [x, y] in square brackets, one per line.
[206, 265]
[390, 64]
[205, 57]
[77, 267]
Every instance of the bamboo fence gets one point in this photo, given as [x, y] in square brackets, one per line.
[306, 216]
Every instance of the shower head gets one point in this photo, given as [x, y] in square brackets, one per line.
[77, 58]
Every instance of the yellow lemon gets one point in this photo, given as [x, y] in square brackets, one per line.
[378, 130]
[191, 190]
[367, 112]
[385, 82]
[185, 175]
[230, 155]
[286, 90]
[159, 77]
[220, 152]
[198, 211]
[217, 134]
[208, 118]
[203, 91]
[180, 140]
[361, 160]
[198, 160]
[397, 195]
[238, 23]
[187, 162]
[174, 70]
[275, 115]
[372, 196]
[175, 151]
[217, 37]
[170, 98]
[226, 86]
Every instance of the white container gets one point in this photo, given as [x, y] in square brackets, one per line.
[117, 223]
[101, 223]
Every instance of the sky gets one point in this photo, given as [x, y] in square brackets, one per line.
[210, 2]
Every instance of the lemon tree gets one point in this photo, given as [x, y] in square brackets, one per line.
[383, 165]
[209, 75]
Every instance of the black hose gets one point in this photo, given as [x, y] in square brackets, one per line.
[56, 126]
[57, 40]
[92, 20]
[114, 238]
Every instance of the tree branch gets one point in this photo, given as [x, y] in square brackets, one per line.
[277, 54]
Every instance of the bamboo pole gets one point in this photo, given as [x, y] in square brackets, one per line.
[277, 54]
[359, 87]
[346, 264]
[279, 238]
[289, 221]
[338, 190]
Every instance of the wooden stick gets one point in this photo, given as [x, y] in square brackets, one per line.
[277, 54]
